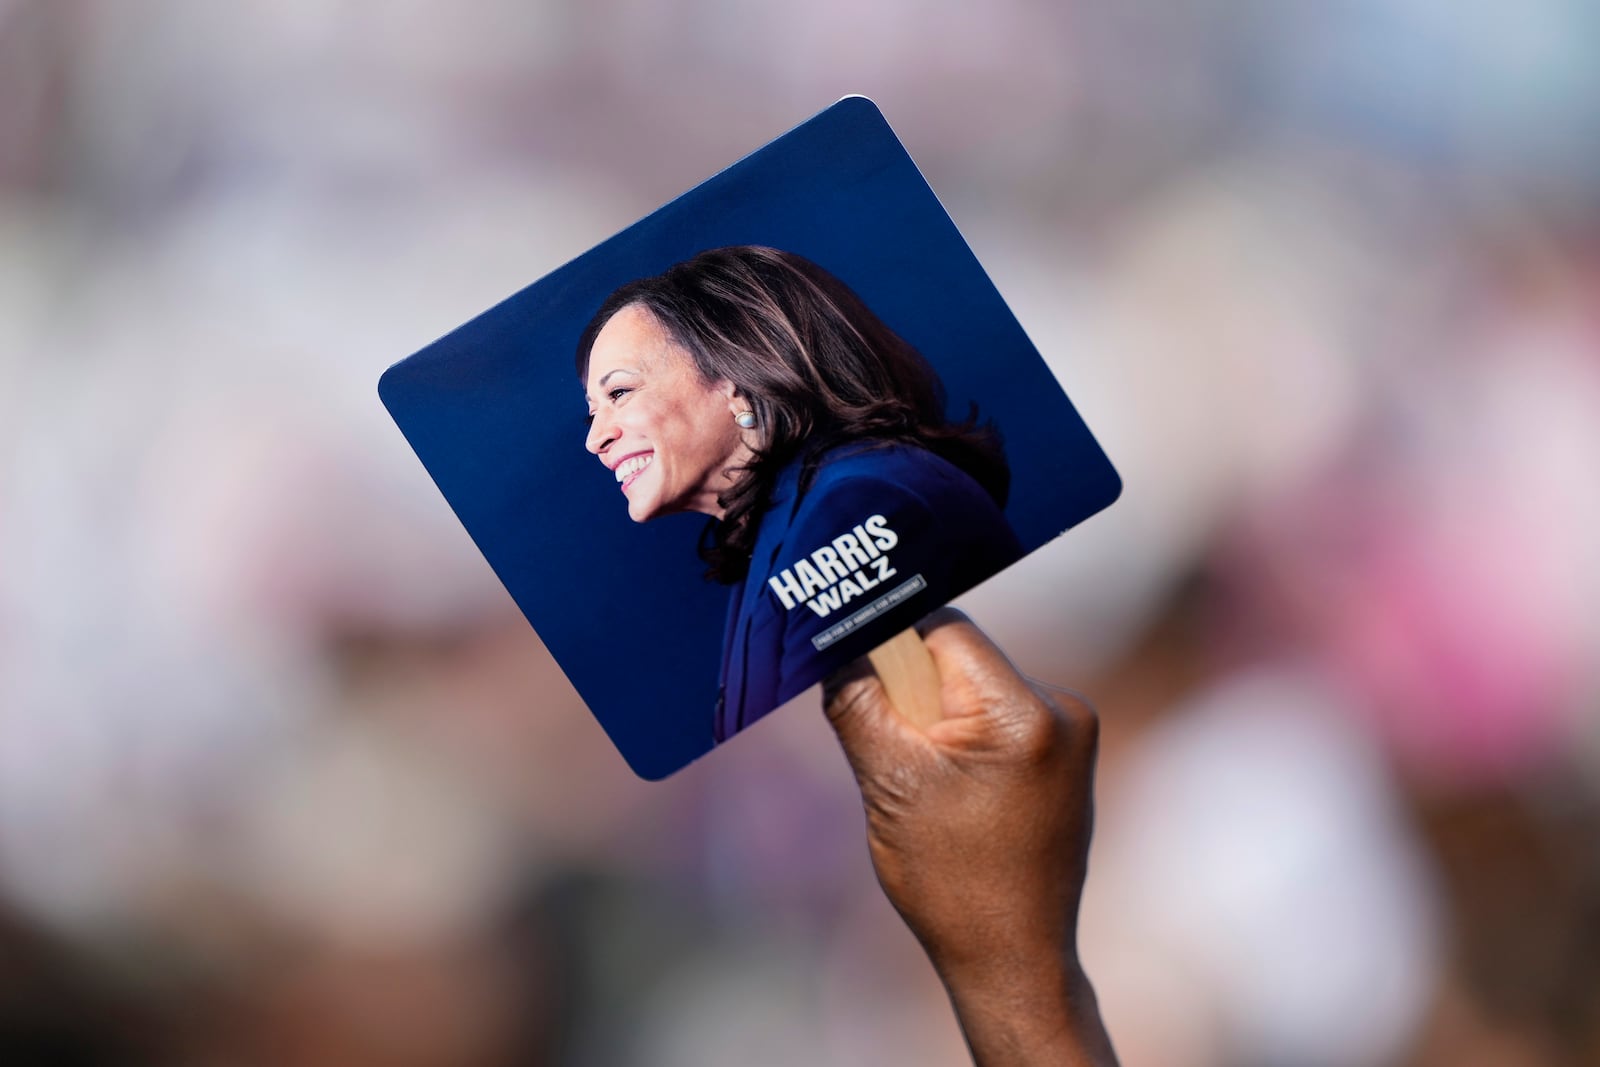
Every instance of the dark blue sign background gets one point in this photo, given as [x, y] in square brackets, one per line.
[496, 413]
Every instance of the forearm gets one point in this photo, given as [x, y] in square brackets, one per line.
[979, 828]
[1025, 1013]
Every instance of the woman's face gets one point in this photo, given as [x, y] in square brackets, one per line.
[667, 434]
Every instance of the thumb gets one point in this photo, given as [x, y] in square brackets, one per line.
[874, 736]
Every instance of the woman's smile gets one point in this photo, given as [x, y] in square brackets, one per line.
[629, 469]
[667, 434]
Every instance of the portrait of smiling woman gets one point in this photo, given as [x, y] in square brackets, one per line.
[752, 386]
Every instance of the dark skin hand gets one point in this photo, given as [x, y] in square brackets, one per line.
[979, 832]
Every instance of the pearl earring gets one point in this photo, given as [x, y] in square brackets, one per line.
[746, 420]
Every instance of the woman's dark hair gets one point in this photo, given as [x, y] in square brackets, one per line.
[817, 367]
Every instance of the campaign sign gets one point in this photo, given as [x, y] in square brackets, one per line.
[749, 438]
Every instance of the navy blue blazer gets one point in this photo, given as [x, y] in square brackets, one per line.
[883, 535]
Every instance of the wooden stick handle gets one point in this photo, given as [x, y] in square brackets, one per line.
[909, 677]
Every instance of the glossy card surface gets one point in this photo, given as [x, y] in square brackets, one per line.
[773, 358]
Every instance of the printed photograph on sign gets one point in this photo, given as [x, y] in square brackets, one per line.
[751, 437]
[750, 385]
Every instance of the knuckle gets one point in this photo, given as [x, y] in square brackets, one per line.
[847, 698]
[1067, 722]
[1075, 709]
[1035, 733]
[1082, 716]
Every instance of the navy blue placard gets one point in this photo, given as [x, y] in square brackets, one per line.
[496, 413]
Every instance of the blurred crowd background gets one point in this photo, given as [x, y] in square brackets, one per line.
[285, 779]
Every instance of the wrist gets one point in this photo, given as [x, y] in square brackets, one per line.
[1025, 1010]
[1013, 948]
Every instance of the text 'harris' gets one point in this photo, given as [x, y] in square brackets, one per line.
[840, 571]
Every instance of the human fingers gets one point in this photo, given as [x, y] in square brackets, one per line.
[876, 739]
[873, 734]
[991, 710]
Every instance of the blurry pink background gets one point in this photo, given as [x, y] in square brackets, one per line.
[285, 779]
